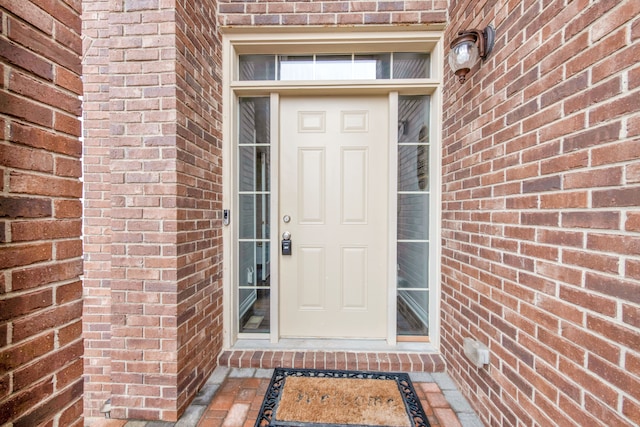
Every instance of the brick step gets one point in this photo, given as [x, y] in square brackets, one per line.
[348, 360]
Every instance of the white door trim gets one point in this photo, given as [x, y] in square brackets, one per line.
[392, 215]
[274, 335]
[298, 40]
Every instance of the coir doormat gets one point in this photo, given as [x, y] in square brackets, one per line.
[314, 398]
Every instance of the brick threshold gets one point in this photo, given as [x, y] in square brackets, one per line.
[384, 361]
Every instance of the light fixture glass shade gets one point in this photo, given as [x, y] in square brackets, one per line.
[468, 47]
[463, 55]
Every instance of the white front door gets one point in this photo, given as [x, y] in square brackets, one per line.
[334, 191]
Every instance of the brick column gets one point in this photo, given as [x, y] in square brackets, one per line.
[153, 319]
[143, 213]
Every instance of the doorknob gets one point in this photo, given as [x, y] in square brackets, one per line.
[286, 236]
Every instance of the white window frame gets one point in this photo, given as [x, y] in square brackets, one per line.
[303, 40]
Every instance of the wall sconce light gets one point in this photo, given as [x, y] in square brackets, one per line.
[467, 47]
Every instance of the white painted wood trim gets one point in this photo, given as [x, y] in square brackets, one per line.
[275, 219]
[435, 226]
[392, 230]
[307, 39]
[228, 199]
[331, 87]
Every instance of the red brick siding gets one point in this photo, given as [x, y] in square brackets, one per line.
[153, 311]
[199, 196]
[130, 319]
[344, 13]
[142, 199]
[97, 207]
[540, 206]
[372, 361]
[40, 214]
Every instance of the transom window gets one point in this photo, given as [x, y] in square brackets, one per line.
[378, 66]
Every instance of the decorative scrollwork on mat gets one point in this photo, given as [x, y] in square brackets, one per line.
[267, 415]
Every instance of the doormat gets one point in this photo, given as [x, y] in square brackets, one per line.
[330, 398]
[253, 322]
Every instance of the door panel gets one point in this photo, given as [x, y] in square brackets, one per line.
[311, 295]
[354, 181]
[311, 185]
[354, 278]
[333, 185]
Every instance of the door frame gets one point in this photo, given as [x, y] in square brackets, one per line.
[304, 40]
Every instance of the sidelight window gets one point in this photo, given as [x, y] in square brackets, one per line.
[413, 216]
[254, 199]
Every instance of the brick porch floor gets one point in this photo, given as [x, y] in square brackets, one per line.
[232, 398]
[238, 402]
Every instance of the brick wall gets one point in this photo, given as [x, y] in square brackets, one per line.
[142, 168]
[346, 13]
[152, 158]
[97, 206]
[199, 195]
[40, 214]
[541, 189]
